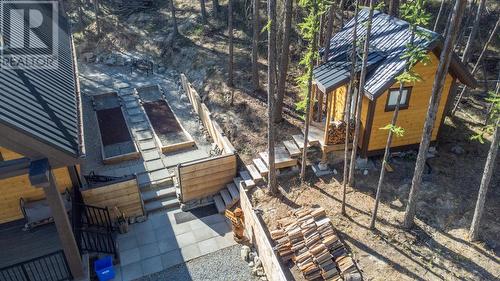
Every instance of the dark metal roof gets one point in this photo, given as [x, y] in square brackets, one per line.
[44, 104]
[336, 71]
[389, 36]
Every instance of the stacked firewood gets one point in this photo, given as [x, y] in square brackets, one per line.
[308, 239]
[336, 132]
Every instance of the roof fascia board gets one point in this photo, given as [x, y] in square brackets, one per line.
[33, 148]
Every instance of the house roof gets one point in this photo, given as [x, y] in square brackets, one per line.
[389, 36]
[44, 104]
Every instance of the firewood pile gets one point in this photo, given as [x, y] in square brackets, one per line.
[336, 132]
[308, 239]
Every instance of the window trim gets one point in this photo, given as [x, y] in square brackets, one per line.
[402, 106]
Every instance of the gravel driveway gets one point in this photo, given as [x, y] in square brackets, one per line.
[223, 265]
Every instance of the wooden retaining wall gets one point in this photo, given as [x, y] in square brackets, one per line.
[201, 109]
[124, 194]
[201, 178]
[258, 237]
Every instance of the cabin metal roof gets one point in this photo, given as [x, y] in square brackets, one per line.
[44, 104]
[389, 36]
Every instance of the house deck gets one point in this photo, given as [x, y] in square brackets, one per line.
[17, 245]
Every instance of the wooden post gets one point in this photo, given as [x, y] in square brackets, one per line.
[41, 176]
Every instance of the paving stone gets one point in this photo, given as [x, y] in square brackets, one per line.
[145, 237]
[131, 104]
[137, 119]
[144, 135]
[208, 246]
[134, 111]
[145, 145]
[130, 256]
[149, 250]
[185, 239]
[150, 155]
[190, 252]
[164, 232]
[221, 227]
[202, 234]
[154, 165]
[167, 245]
[159, 175]
[152, 265]
[137, 127]
[127, 243]
[181, 228]
[172, 258]
[224, 242]
[132, 271]
[213, 219]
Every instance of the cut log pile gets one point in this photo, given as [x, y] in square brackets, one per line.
[308, 239]
[336, 132]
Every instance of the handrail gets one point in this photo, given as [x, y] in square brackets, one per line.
[51, 267]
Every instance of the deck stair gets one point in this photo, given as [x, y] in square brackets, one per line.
[226, 198]
[281, 156]
[299, 141]
[254, 173]
[247, 179]
[261, 167]
[292, 148]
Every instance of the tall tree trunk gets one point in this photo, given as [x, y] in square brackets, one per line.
[485, 182]
[271, 68]
[255, 45]
[473, 32]
[314, 48]
[360, 95]
[174, 19]
[349, 94]
[287, 28]
[230, 33]
[437, 90]
[329, 30]
[215, 8]
[440, 13]
[80, 15]
[97, 19]
[394, 8]
[341, 12]
[476, 65]
[203, 10]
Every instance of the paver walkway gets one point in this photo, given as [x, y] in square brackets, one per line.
[160, 243]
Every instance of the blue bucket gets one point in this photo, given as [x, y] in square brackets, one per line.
[104, 268]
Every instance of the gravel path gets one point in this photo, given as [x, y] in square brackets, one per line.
[223, 265]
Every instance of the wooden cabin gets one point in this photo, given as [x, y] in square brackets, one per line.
[388, 41]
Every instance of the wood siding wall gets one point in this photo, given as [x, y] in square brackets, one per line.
[411, 119]
[14, 188]
[124, 195]
[205, 177]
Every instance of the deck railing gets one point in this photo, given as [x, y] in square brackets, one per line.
[50, 267]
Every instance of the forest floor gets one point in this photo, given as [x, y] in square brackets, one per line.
[436, 248]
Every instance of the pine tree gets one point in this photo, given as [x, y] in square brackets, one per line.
[414, 13]
[174, 19]
[347, 116]
[440, 13]
[437, 90]
[203, 10]
[284, 58]
[255, 45]
[329, 30]
[97, 18]
[231, 47]
[473, 33]
[215, 8]
[271, 69]
[494, 128]
[360, 94]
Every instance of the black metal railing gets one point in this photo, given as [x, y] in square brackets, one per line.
[97, 242]
[95, 217]
[50, 267]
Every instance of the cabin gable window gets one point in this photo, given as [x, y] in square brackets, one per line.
[392, 99]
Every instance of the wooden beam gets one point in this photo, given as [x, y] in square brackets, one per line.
[42, 176]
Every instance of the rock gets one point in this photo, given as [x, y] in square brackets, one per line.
[365, 172]
[184, 98]
[88, 57]
[141, 219]
[250, 264]
[252, 255]
[261, 273]
[245, 250]
[263, 278]
[457, 149]
[323, 166]
[111, 60]
[257, 261]
[161, 70]
[397, 203]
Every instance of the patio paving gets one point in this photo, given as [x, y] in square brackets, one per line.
[160, 243]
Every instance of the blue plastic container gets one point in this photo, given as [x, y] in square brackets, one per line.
[104, 268]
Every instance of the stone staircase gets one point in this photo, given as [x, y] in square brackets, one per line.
[156, 184]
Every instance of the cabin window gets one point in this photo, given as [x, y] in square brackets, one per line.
[392, 99]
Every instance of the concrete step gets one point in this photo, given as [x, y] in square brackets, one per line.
[165, 204]
[263, 170]
[151, 195]
[219, 204]
[149, 181]
[238, 181]
[247, 179]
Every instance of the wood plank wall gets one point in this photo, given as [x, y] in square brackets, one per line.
[205, 177]
[125, 195]
[411, 119]
[14, 188]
